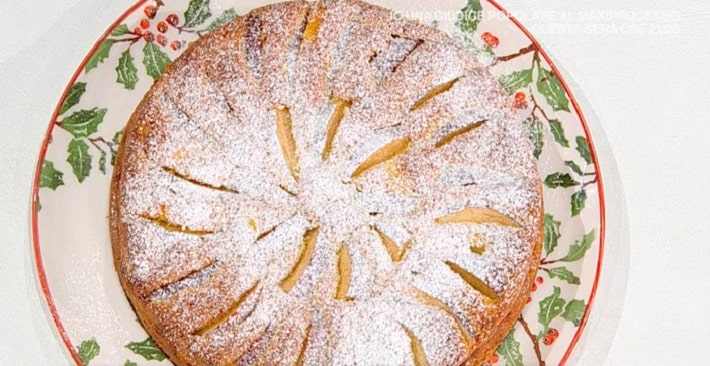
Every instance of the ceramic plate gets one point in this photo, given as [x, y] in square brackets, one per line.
[70, 231]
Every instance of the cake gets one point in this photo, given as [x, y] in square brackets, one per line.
[326, 183]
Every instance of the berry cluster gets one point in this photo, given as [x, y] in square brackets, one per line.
[551, 336]
[161, 27]
[520, 102]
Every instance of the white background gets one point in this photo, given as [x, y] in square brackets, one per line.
[650, 92]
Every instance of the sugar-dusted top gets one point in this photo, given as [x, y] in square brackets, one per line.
[325, 183]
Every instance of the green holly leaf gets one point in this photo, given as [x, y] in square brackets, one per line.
[100, 55]
[117, 137]
[580, 247]
[558, 132]
[226, 17]
[575, 168]
[84, 122]
[516, 80]
[154, 60]
[577, 202]
[50, 177]
[197, 12]
[88, 350]
[75, 93]
[552, 233]
[583, 149]
[148, 349]
[536, 135]
[557, 180]
[564, 274]
[130, 363]
[574, 311]
[510, 350]
[550, 308]
[126, 71]
[121, 30]
[102, 162]
[470, 16]
[549, 86]
[79, 159]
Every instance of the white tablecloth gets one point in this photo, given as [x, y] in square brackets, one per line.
[646, 75]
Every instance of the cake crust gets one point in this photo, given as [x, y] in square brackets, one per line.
[326, 183]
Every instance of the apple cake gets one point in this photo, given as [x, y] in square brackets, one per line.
[326, 183]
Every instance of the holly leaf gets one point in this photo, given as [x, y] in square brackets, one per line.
[564, 274]
[147, 349]
[550, 308]
[88, 350]
[117, 137]
[50, 177]
[580, 247]
[79, 159]
[84, 122]
[73, 97]
[577, 202]
[126, 71]
[510, 350]
[558, 132]
[121, 30]
[154, 60]
[575, 168]
[550, 87]
[557, 180]
[130, 363]
[197, 12]
[102, 162]
[100, 55]
[583, 149]
[516, 80]
[552, 233]
[537, 136]
[470, 16]
[226, 17]
[574, 312]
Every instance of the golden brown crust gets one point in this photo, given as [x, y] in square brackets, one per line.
[178, 269]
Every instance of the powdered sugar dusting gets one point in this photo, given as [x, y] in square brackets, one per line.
[210, 122]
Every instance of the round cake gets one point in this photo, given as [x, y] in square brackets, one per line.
[326, 183]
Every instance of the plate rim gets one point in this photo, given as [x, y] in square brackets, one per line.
[41, 275]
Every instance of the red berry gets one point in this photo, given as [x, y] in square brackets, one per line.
[176, 45]
[148, 36]
[150, 11]
[539, 280]
[533, 287]
[145, 23]
[172, 19]
[551, 336]
[162, 27]
[490, 40]
[521, 101]
[137, 31]
[493, 359]
[161, 40]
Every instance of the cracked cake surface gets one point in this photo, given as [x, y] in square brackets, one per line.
[326, 183]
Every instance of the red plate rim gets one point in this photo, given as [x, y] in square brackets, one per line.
[39, 264]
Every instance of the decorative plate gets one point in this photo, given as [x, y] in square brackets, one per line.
[70, 233]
